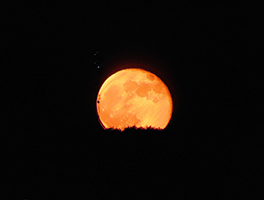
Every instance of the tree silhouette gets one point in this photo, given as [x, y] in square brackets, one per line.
[134, 128]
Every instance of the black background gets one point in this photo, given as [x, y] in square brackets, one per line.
[205, 53]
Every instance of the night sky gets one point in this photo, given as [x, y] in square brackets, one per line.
[203, 52]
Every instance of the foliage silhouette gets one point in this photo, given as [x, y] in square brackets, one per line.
[134, 128]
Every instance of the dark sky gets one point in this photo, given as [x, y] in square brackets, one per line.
[203, 52]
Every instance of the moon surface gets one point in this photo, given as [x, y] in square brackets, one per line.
[134, 97]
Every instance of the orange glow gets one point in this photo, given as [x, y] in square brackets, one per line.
[134, 97]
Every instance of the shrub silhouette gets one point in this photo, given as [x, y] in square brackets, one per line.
[134, 129]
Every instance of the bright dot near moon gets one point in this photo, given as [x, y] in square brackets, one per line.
[134, 97]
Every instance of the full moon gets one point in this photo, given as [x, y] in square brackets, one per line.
[134, 97]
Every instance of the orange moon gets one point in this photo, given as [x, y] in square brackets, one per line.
[134, 97]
